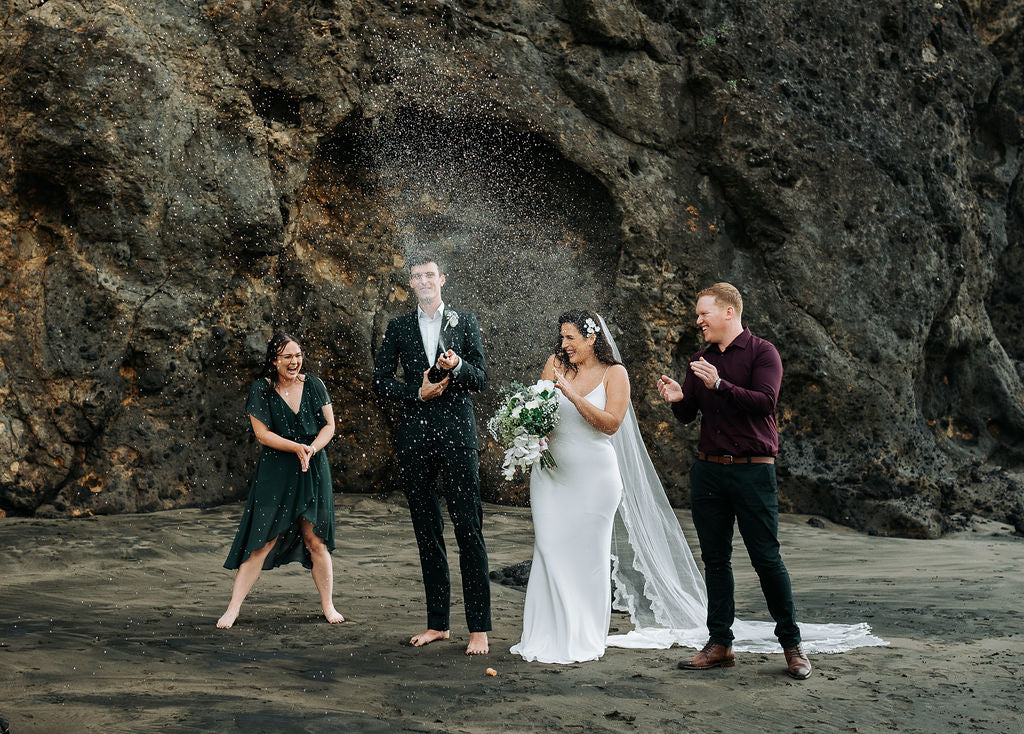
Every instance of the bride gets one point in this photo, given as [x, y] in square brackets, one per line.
[568, 598]
[603, 507]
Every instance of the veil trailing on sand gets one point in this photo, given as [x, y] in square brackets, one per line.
[656, 579]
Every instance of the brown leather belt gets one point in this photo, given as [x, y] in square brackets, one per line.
[728, 459]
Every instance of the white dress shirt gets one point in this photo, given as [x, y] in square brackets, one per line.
[430, 333]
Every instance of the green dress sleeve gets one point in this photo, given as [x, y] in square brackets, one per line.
[258, 404]
[320, 392]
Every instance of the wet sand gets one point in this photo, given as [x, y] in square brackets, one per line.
[107, 625]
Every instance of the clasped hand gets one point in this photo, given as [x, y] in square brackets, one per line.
[430, 390]
[448, 360]
[305, 453]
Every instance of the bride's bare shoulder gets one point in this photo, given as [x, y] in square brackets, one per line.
[553, 363]
[617, 373]
[619, 370]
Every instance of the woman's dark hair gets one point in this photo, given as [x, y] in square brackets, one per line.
[578, 317]
[275, 346]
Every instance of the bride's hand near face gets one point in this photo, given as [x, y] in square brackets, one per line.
[567, 388]
[554, 371]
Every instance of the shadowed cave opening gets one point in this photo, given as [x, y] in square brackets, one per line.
[524, 233]
[275, 105]
[39, 194]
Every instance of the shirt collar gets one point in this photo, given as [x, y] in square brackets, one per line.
[423, 314]
[742, 339]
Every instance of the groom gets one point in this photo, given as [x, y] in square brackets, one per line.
[437, 445]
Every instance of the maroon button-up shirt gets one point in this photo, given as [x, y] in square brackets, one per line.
[739, 417]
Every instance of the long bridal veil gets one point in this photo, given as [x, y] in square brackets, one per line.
[656, 579]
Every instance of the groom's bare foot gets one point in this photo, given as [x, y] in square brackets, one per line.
[427, 636]
[333, 616]
[477, 644]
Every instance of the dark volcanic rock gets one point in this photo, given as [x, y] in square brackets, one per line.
[181, 179]
[518, 574]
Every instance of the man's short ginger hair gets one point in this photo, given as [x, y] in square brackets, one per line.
[725, 294]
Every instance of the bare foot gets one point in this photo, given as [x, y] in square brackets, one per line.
[228, 619]
[477, 644]
[427, 636]
[334, 616]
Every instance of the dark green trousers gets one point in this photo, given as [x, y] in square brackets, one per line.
[429, 474]
[747, 495]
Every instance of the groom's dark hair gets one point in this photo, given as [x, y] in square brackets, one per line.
[424, 258]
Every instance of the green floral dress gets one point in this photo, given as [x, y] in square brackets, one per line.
[282, 494]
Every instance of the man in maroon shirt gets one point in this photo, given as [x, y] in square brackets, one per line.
[733, 383]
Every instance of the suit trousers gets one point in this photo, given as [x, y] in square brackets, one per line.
[747, 494]
[428, 474]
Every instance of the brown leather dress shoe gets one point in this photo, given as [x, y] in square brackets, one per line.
[712, 656]
[797, 664]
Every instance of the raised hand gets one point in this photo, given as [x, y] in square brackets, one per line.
[670, 390]
[705, 372]
[566, 387]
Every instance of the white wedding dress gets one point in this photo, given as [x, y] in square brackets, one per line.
[569, 598]
[604, 506]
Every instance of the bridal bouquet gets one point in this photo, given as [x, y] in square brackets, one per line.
[525, 416]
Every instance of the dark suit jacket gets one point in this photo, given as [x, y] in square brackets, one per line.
[447, 420]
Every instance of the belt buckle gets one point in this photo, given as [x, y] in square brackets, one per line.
[730, 457]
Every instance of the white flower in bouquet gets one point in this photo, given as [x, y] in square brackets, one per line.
[522, 422]
[525, 451]
[543, 386]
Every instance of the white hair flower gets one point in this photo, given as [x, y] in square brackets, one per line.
[590, 325]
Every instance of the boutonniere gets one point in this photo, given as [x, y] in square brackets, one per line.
[452, 319]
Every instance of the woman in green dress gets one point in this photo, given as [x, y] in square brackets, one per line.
[290, 512]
